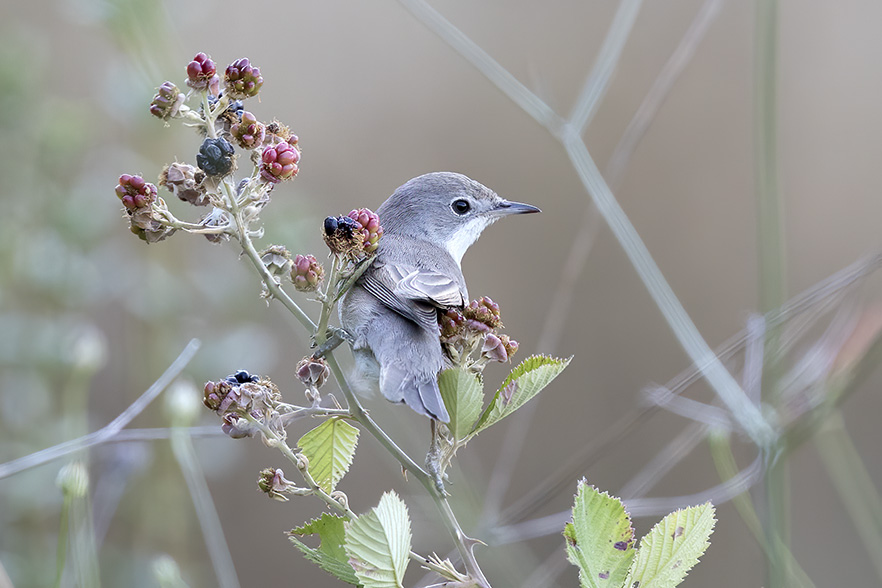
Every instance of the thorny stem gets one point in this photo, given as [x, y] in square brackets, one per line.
[271, 284]
[463, 543]
[363, 418]
[328, 300]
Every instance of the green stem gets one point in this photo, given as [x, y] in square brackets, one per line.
[363, 418]
[769, 206]
[274, 288]
[462, 542]
[328, 301]
[772, 294]
[721, 451]
[336, 505]
[61, 551]
[854, 485]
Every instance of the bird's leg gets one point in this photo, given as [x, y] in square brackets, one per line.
[335, 338]
[434, 458]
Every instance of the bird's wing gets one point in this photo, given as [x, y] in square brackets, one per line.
[437, 289]
[413, 293]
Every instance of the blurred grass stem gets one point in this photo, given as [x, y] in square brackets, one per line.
[770, 249]
[110, 430]
[206, 513]
[63, 531]
[854, 485]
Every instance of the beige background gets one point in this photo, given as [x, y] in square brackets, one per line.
[376, 99]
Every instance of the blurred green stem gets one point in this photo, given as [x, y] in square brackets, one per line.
[770, 233]
[206, 513]
[772, 293]
[721, 450]
[63, 527]
[853, 484]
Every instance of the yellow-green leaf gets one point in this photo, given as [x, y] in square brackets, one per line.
[463, 395]
[600, 540]
[523, 383]
[330, 555]
[329, 448]
[378, 543]
[672, 547]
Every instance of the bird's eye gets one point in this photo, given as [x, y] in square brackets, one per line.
[461, 206]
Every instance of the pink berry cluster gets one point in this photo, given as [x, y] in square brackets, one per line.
[306, 273]
[475, 328]
[242, 80]
[279, 162]
[143, 208]
[202, 74]
[135, 192]
[370, 228]
[167, 101]
[248, 132]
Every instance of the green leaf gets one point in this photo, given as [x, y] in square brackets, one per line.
[463, 395]
[378, 543]
[330, 555]
[329, 448]
[600, 540]
[330, 529]
[523, 383]
[672, 547]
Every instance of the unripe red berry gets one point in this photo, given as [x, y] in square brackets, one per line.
[279, 162]
[202, 73]
[242, 80]
[306, 273]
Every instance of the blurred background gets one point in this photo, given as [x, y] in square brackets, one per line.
[90, 316]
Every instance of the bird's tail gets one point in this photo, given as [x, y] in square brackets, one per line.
[419, 392]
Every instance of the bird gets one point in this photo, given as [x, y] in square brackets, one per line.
[391, 312]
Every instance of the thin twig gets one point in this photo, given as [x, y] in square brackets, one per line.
[110, 430]
[659, 91]
[601, 74]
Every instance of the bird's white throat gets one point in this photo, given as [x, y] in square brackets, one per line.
[463, 237]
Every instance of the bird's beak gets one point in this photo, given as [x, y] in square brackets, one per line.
[505, 208]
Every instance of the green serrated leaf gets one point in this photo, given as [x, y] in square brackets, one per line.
[339, 569]
[330, 529]
[672, 547]
[378, 543]
[330, 555]
[463, 395]
[329, 448]
[600, 540]
[523, 383]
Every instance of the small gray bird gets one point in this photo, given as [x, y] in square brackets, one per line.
[392, 311]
